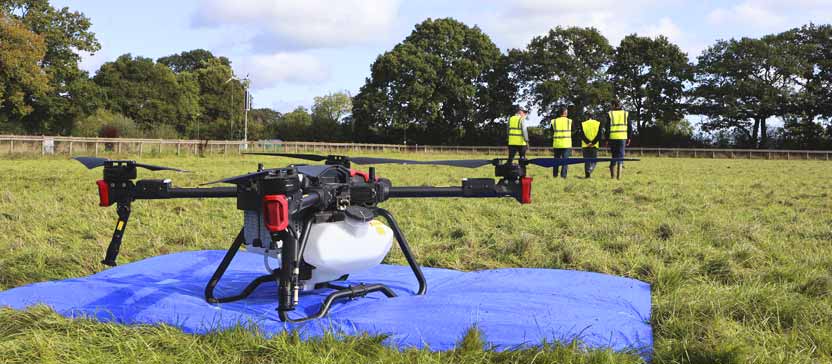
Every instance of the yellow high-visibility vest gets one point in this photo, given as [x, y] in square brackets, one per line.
[618, 124]
[590, 128]
[562, 133]
[515, 132]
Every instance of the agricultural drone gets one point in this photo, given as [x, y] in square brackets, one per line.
[318, 221]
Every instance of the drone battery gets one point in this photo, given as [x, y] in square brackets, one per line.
[473, 187]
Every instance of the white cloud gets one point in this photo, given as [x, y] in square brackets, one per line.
[297, 24]
[267, 71]
[665, 27]
[518, 21]
[759, 14]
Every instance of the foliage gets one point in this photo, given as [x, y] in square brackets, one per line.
[432, 87]
[329, 114]
[262, 124]
[147, 92]
[104, 123]
[21, 78]
[738, 261]
[192, 60]
[649, 76]
[742, 83]
[65, 34]
[294, 126]
[565, 67]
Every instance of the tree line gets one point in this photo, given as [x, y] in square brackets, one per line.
[445, 83]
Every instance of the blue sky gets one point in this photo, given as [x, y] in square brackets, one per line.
[296, 50]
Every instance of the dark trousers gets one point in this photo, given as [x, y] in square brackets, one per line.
[561, 153]
[514, 149]
[590, 166]
[617, 150]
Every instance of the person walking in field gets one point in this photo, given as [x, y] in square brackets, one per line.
[562, 140]
[518, 136]
[618, 135]
[590, 132]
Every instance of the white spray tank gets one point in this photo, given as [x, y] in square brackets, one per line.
[334, 248]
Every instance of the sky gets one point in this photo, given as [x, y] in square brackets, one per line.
[296, 50]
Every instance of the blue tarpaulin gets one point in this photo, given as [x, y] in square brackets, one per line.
[513, 308]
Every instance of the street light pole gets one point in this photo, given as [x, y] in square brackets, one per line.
[246, 103]
[245, 113]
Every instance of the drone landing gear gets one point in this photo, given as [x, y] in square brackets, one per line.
[226, 261]
[286, 291]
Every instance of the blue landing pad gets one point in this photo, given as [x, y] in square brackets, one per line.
[513, 308]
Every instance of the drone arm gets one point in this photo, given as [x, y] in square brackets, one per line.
[421, 192]
[213, 192]
[471, 187]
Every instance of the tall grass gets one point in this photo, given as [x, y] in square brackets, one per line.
[738, 253]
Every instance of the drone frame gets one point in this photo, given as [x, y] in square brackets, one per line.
[288, 205]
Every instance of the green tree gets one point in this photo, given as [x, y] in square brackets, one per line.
[221, 100]
[263, 123]
[431, 87]
[192, 60]
[649, 76]
[566, 67]
[148, 92]
[294, 126]
[742, 83]
[328, 114]
[811, 101]
[103, 123]
[65, 33]
[21, 79]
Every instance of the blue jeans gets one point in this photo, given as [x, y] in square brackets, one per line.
[617, 150]
[559, 154]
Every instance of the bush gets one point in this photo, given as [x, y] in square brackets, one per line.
[104, 123]
[163, 131]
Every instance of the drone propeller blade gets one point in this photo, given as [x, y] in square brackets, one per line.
[309, 157]
[91, 162]
[464, 163]
[159, 168]
[237, 179]
[95, 162]
[557, 162]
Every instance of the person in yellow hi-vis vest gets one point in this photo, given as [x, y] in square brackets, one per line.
[590, 132]
[618, 134]
[518, 136]
[562, 140]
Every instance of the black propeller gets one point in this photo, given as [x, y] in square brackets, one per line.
[465, 163]
[553, 162]
[236, 179]
[95, 162]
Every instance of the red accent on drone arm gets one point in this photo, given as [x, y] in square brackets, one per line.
[276, 212]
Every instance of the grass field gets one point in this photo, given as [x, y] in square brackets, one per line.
[739, 254]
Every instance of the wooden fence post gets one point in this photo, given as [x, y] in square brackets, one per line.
[70, 147]
[96, 149]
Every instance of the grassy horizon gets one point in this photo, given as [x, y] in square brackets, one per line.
[737, 253]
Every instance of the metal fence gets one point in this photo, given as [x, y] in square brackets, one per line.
[45, 145]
